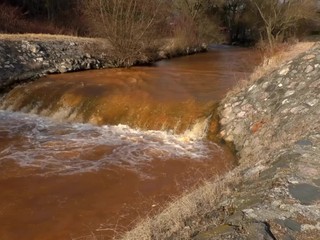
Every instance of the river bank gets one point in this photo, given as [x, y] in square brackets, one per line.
[274, 193]
[29, 56]
[275, 125]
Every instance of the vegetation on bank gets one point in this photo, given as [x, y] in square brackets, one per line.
[136, 28]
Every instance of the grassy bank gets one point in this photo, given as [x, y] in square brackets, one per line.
[44, 37]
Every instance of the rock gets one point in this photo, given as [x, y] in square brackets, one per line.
[62, 69]
[304, 143]
[241, 114]
[308, 69]
[308, 57]
[305, 193]
[34, 48]
[219, 232]
[238, 130]
[259, 231]
[290, 224]
[251, 88]
[284, 71]
[312, 102]
[229, 138]
[298, 109]
[289, 93]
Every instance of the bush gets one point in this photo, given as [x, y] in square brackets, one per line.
[132, 27]
[277, 21]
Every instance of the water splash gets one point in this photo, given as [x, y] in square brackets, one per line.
[68, 148]
[198, 131]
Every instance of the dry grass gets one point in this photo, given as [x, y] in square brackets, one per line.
[186, 215]
[46, 37]
[272, 61]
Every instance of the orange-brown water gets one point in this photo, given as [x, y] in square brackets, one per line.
[172, 94]
[64, 179]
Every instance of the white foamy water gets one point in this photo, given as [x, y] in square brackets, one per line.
[68, 148]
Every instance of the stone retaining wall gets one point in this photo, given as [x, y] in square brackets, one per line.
[23, 60]
[275, 126]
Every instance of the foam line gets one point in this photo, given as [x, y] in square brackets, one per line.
[68, 148]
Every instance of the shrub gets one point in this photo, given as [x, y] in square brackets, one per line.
[132, 27]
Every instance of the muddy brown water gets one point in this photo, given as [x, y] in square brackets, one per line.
[93, 152]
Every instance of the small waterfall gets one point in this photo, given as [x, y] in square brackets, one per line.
[199, 129]
[72, 147]
[139, 111]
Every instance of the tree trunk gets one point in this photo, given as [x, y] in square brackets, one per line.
[270, 37]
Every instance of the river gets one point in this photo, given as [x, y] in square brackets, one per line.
[92, 152]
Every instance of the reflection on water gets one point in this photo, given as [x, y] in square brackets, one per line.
[63, 178]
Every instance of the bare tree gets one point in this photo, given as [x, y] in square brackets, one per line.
[279, 17]
[233, 12]
[132, 27]
[197, 22]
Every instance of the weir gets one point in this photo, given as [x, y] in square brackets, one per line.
[137, 110]
[172, 95]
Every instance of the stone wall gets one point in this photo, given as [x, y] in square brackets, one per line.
[24, 60]
[275, 126]
[276, 110]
